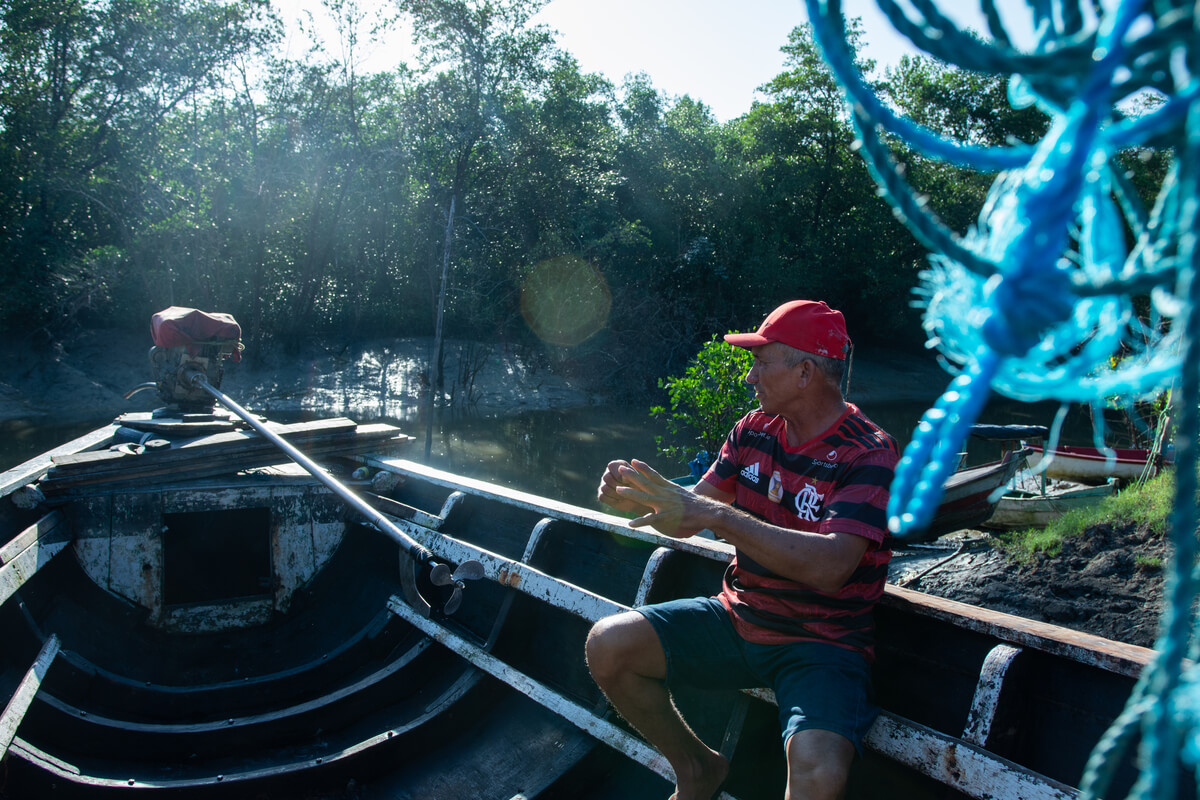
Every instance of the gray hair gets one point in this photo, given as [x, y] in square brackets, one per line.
[836, 370]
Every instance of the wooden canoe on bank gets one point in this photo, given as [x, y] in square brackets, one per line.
[969, 497]
[226, 633]
[1023, 508]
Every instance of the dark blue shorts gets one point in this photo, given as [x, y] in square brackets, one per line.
[817, 685]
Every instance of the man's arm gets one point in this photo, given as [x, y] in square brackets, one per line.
[824, 561]
[706, 489]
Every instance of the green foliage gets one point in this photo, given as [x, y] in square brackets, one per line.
[968, 106]
[705, 401]
[807, 199]
[156, 153]
[1146, 506]
[1147, 563]
[85, 91]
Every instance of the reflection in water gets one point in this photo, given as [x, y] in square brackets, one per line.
[559, 453]
[22, 439]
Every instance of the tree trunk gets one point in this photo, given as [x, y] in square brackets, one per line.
[435, 366]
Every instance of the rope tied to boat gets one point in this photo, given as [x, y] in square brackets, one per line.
[1044, 298]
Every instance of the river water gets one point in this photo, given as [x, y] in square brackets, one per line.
[561, 454]
[556, 453]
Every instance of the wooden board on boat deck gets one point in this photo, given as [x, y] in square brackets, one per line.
[37, 466]
[220, 453]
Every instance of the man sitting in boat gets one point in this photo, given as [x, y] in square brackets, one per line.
[800, 488]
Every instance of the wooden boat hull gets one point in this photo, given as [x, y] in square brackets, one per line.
[1019, 510]
[1090, 465]
[968, 497]
[345, 690]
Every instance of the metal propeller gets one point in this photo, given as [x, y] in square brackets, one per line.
[440, 575]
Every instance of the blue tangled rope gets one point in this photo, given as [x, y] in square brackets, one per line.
[1036, 300]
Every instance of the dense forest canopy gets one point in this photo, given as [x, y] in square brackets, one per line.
[159, 152]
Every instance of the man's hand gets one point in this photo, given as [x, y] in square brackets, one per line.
[610, 481]
[824, 561]
[669, 508]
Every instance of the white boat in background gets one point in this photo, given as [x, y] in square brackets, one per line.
[1093, 466]
[1028, 505]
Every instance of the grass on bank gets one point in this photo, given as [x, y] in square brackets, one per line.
[1148, 505]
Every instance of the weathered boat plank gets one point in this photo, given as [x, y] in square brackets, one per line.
[36, 467]
[1118, 657]
[30, 550]
[543, 505]
[210, 446]
[39, 531]
[986, 702]
[15, 710]
[955, 763]
[515, 574]
[215, 455]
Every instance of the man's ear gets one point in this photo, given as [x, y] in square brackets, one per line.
[805, 373]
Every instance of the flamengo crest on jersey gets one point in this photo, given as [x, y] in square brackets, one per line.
[808, 503]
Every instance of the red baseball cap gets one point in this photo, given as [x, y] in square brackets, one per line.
[806, 325]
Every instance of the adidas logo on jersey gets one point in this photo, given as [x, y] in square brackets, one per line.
[750, 472]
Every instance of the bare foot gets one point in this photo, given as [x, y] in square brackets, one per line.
[703, 781]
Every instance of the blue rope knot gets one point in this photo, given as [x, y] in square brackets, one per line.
[1020, 312]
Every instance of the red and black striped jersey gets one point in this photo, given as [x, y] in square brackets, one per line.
[836, 482]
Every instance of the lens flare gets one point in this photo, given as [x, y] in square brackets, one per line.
[565, 301]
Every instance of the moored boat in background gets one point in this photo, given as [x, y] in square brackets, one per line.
[1093, 466]
[968, 499]
[1029, 505]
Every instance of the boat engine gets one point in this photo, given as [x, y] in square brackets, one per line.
[186, 339]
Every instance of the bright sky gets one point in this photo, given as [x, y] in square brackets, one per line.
[716, 51]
